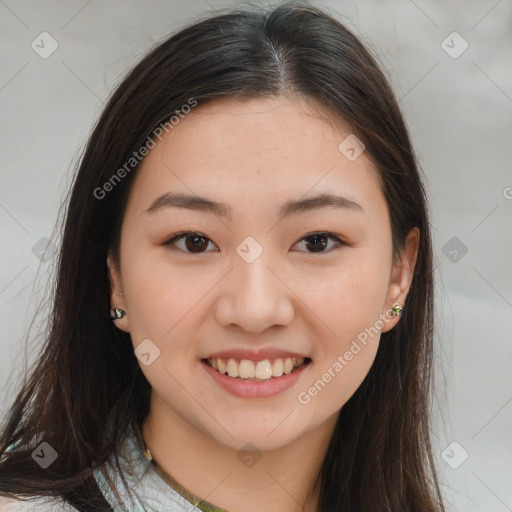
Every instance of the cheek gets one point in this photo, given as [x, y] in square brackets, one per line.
[331, 386]
[347, 298]
[349, 305]
[164, 307]
[162, 299]
[342, 360]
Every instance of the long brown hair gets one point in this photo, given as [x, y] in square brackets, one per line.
[86, 387]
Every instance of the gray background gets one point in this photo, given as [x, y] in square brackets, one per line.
[459, 112]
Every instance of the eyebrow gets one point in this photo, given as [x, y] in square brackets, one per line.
[202, 204]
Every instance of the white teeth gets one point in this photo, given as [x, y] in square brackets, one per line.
[246, 370]
[288, 366]
[232, 367]
[263, 370]
[277, 368]
[222, 365]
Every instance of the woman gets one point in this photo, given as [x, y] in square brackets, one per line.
[243, 308]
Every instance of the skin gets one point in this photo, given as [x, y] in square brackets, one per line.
[254, 155]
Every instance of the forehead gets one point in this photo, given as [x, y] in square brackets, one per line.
[258, 151]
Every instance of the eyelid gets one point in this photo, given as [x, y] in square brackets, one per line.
[327, 234]
[184, 234]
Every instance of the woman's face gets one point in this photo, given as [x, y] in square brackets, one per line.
[278, 276]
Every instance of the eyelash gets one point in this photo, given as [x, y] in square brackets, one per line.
[322, 234]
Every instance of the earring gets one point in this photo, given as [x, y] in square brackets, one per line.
[396, 310]
[118, 313]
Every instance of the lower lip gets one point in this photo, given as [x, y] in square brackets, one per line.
[247, 389]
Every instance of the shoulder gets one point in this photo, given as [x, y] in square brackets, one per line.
[34, 504]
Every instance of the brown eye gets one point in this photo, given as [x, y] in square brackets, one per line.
[196, 243]
[317, 242]
[191, 242]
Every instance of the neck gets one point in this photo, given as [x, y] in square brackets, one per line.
[281, 479]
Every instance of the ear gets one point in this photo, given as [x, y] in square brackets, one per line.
[117, 299]
[401, 278]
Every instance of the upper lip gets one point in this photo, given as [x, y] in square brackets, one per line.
[255, 355]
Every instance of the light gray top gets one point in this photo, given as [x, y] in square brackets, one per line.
[148, 491]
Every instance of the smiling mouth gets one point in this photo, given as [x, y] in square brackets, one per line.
[257, 371]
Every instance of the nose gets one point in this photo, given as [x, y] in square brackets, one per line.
[254, 296]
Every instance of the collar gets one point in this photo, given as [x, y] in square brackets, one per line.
[137, 486]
